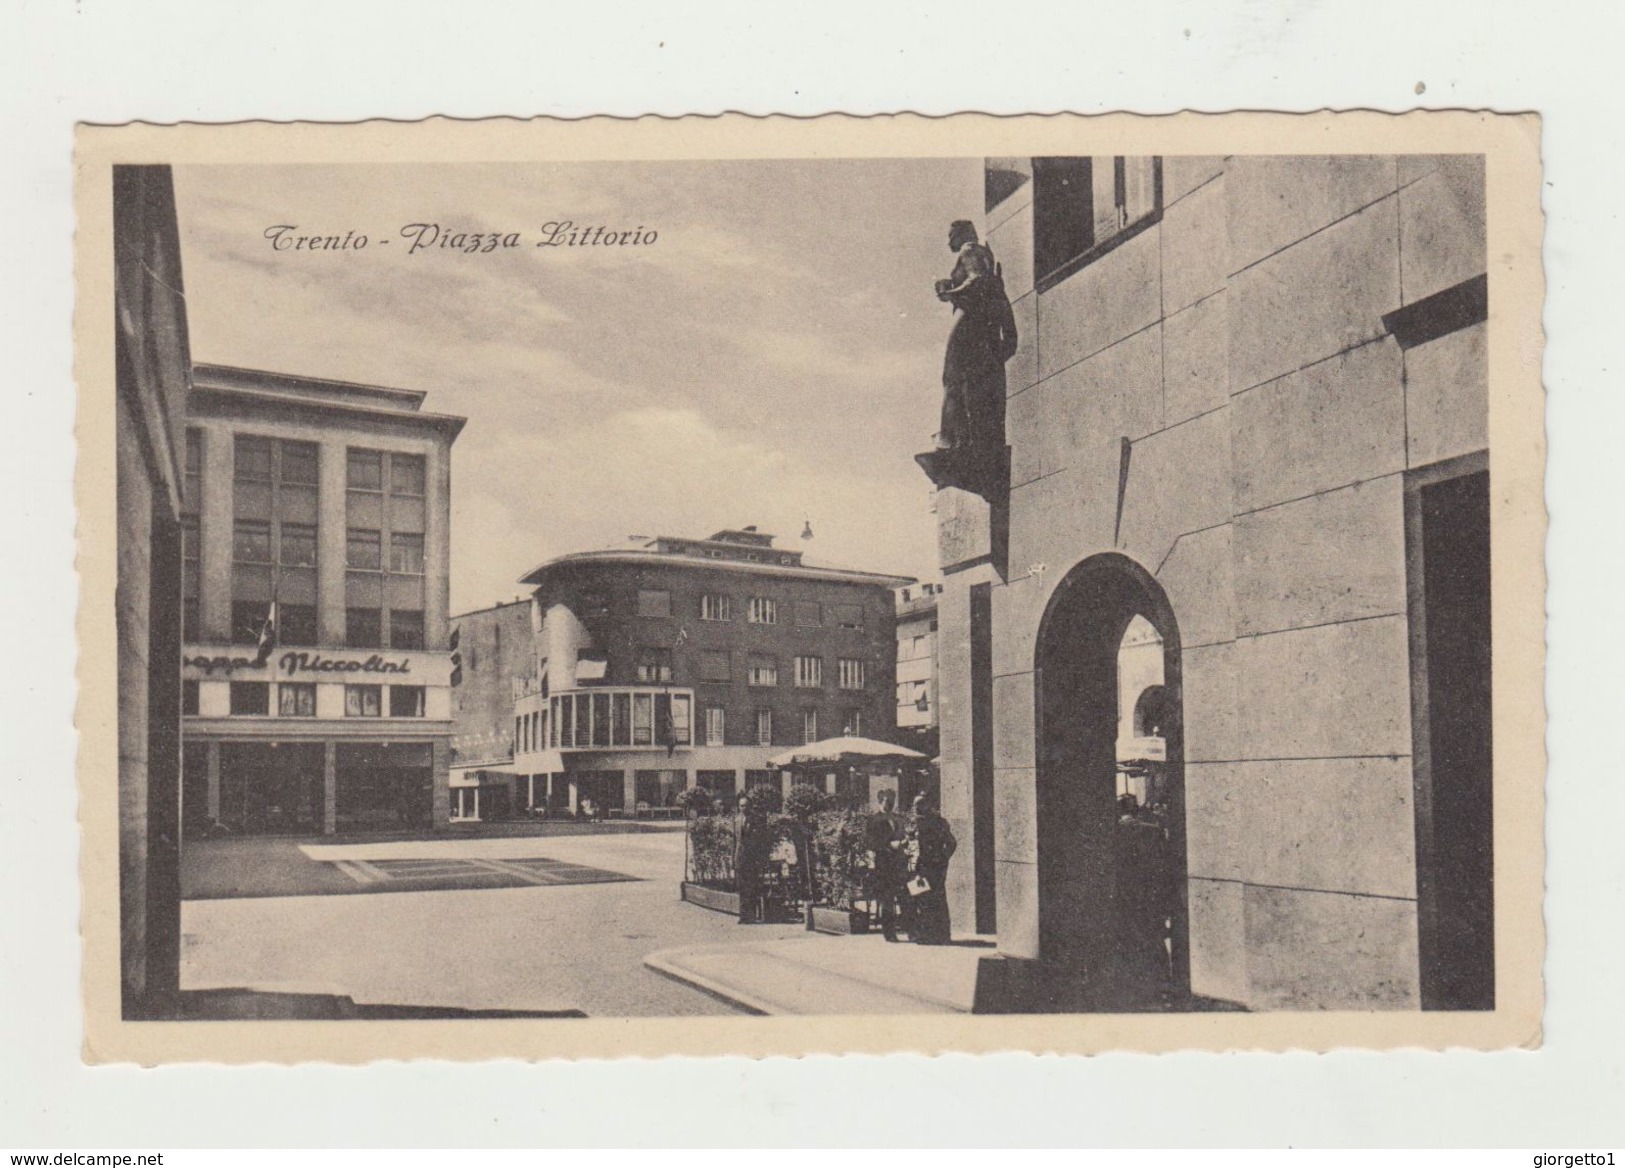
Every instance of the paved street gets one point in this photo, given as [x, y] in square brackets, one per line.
[538, 946]
[813, 974]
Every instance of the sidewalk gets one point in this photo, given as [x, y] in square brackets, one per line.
[818, 974]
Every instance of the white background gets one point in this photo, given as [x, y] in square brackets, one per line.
[97, 60]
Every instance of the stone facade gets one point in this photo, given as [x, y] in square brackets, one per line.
[1215, 395]
[350, 723]
[152, 370]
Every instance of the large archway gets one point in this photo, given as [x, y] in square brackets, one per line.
[1111, 875]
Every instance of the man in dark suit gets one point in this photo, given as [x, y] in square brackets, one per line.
[750, 864]
[885, 837]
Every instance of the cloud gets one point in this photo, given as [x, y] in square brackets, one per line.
[820, 356]
[656, 470]
[774, 357]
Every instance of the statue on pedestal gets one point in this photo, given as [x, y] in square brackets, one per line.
[970, 444]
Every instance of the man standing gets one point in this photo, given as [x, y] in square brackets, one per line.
[884, 836]
[934, 846]
[750, 864]
[1143, 902]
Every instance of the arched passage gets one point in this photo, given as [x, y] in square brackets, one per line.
[1105, 872]
[1150, 712]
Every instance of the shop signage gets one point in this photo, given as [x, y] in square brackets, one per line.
[226, 665]
[316, 663]
[301, 662]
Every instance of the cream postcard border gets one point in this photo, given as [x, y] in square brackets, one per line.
[1511, 145]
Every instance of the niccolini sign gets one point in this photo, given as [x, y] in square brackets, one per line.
[294, 662]
[316, 663]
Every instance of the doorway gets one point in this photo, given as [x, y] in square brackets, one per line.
[1448, 553]
[1111, 876]
[384, 787]
[271, 788]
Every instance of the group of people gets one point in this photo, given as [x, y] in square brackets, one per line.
[910, 856]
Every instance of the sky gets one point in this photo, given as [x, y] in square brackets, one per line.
[773, 358]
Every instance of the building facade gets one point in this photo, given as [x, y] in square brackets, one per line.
[1247, 428]
[153, 361]
[917, 667]
[495, 657]
[690, 662]
[316, 671]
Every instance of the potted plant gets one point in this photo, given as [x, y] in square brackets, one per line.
[710, 880]
[843, 873]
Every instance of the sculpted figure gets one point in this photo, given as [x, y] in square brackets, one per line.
[982, 340]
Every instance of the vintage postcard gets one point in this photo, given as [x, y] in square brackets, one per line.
[768, 586]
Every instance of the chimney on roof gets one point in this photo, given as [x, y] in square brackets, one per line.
[751, 527]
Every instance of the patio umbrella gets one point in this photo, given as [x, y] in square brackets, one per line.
[844, 752]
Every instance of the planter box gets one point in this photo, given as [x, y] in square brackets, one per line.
[711, 898]
[840, 920]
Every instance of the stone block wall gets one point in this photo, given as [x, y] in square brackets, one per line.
[1238, 344]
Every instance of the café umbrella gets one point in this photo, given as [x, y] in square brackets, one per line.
[844, 752]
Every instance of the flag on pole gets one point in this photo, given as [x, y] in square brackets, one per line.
[267, 637]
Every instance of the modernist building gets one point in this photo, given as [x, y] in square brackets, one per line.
[1247, 430]
[496, 653]
[917, 667]
[690, 662]
[316, 667]
[152, 364]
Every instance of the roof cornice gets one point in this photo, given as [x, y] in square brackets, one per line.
[695, 563]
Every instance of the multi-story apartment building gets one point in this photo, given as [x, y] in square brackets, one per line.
[314, 602]
[690, 662]
[917, 666]
[1247, 426]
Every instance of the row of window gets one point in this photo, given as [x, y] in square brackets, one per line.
[757, 610]
[291, 463]
[295, 546]
[716, 725]
[620, 719]
[655, 668]
[295, 463]
[608, 719]
[297, 699]
[364, 628]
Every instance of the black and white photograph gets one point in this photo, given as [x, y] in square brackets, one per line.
[1016, 597]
